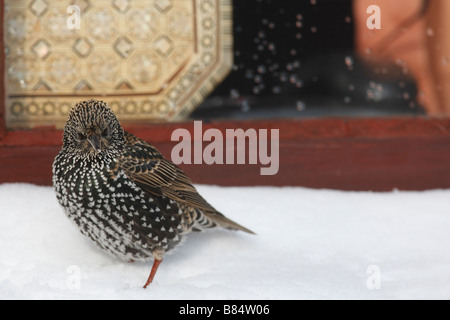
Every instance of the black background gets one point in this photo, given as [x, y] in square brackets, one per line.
[295, 58]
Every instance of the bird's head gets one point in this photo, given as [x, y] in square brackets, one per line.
[92, 129]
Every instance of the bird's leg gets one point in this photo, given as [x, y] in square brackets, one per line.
[153, 272]
[158, 255]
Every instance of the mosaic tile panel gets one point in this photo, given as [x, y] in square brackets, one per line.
[151, 60]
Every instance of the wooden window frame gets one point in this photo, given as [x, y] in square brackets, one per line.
[379, 154]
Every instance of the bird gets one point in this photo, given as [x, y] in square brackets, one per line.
[122, 193]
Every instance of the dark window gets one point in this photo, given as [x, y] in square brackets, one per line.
[297, 59]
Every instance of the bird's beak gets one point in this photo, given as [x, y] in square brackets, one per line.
[96, 142]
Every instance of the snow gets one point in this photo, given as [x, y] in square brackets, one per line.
[310, 244]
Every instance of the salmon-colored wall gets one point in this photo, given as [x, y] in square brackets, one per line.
[421, 47]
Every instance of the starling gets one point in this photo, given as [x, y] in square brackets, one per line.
[122, 193]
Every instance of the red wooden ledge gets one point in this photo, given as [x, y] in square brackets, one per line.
[347, 154]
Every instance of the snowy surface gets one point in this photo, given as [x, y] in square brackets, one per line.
[310, 244]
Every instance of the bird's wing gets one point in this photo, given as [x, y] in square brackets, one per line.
[145, 165]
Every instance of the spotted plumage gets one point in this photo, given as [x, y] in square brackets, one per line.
[122, 193]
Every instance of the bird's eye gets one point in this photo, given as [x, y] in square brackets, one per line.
[81, 136]
[105, 132]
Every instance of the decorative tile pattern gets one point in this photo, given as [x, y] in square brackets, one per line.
[62, 68]
[163, 5]
[163, 46]
[19, 26]
[38, 7]
[41, 48]
[104, 68]
[123, 46]
[180, 25]
[102, 23]
[55, 25]
[149, 59]
[84, 5]
[145, 68]
[143, 23]
[121, 5]
[83, 47]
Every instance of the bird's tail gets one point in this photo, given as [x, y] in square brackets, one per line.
[201, 215]
[198, 220]
[226, 223]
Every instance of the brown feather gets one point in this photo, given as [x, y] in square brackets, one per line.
[145, 165]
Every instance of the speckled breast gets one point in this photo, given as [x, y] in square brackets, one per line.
[113, 211]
